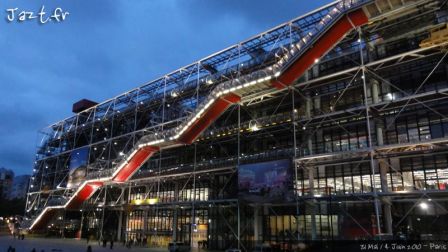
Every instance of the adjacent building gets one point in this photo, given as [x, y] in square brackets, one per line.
[6, 181]
[19, 187]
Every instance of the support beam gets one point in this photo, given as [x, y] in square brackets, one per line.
[386, 201]
[119, 228]
[375, 86]
[312, 203]
[258, 223]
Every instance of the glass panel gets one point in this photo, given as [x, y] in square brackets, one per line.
[402, 134]
[436, 131]
[397, 182]
[331, 185]
[424, 133]
[408, 181]
[413, 135]
[443, 178]
[419, 180]
[348, 184]
[366, 184]
[357, 187]
[339, 185]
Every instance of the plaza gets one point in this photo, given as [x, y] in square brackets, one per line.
[62, 245]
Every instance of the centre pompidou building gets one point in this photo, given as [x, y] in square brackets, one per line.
[332, 126]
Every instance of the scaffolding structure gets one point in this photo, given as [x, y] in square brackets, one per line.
[345, 93]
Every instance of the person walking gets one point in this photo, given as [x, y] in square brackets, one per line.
[145, 241]
[111, 243]
[89, 248]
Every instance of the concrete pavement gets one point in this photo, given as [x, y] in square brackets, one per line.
[63, 245]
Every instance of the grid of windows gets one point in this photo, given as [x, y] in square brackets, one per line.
[416, 127]
[420, 173]
[167, 194]
[350, 178]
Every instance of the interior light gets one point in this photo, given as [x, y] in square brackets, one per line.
[424, 205]
[254, 127]
[390, 96]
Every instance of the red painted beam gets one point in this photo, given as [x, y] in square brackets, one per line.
[83, 194]
[320, 47]
[213, 112]
[134, 164]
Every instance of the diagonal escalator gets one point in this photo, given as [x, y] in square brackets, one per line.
[342, 18]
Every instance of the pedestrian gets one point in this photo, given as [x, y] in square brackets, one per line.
[34, 250]
[23, 237]
[13, 250]
[9, 249]
[104, 242]
[145, 241]
[111, 243]
[139, 241]
[89, 248]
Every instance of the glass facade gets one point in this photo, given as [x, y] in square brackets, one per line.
[367, 144]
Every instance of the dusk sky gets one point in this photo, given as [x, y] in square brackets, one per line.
[105, 48]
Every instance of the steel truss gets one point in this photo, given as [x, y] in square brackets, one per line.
[112, 129]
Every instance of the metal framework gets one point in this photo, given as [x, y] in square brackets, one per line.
[338, 90]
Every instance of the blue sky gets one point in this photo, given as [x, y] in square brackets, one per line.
[107, 47]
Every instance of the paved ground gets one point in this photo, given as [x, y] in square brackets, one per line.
[62, 245]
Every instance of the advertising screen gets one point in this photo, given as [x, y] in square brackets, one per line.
[78, 166]
[267, 182]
